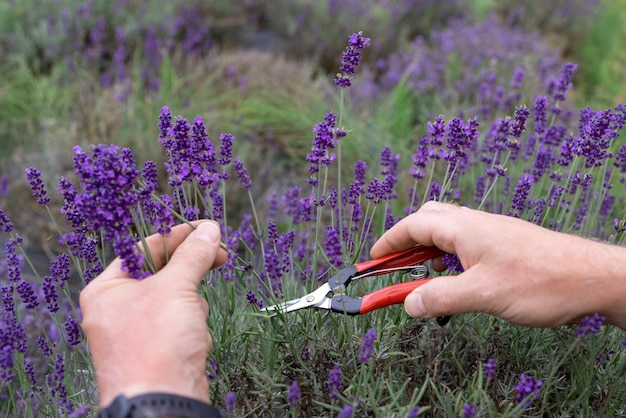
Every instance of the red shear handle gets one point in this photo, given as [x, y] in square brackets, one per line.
[391, 295]
[414, 255]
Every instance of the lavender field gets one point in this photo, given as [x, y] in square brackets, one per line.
[307, 129]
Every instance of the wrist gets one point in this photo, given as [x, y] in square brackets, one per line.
[123, 381]
[152, 405]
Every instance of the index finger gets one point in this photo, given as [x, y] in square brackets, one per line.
[434, 224]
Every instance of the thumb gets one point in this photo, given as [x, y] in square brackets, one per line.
[445, 295]
[195, 256]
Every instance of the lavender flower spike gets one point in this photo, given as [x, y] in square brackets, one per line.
[527, 389]
[367, 348]
[294, 394]
[335, 381]
[469, 410]
[36, 186]
[590, 325]
[351, 59]
[489, 369]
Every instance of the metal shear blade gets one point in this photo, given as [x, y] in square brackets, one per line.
[315, 299]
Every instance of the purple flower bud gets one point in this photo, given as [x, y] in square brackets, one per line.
[5, 222]
[367, 348]
[80, 412]
[351, 59]
[521, 195]
[453, 263]
[334, 382]
[242, 174]
[590, 325]
[13, 262]
[36, 186]
[527, 389]
[489, 369]
[72, 331]
[28, 296]
[229, 401]
[346, 412]
[540, 118]
[294, 394]
[413, 412]
[469, 410]
[226, 149]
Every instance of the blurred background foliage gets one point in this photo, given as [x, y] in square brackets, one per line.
[98, 71]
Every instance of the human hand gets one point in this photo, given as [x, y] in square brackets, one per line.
[150, 335]
[513, 269]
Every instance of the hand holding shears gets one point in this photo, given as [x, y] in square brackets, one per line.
[331, 295]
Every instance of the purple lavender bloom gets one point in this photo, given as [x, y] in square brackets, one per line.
[50, 294]
[108, 199]
[72, 331]
[80, 412]
[229, 401]
[242, 174]
[294, 394]
[306, 354]
[469, 410]
[375, 191]
[346, 412]
[43, 345]
[559, 87]
[413, 412]
[37, 186]
[13, 262]
[594, 137]
[351, 59]
[540, 111]
[334, 382]
[590, 325]
[332, 245]
[253, 299]
[489, 369]
[60, 268]
[323, 141]
[620, 225]
[421, 158]
[460, 137]
[5, 222]
[28, 296]
[226, 149]
[367, 348]
[539, 211]
[527, 389]
[70, 211]
[165, 122]
[453, 263]
[522, 189]
[519, 121]
[360, 168]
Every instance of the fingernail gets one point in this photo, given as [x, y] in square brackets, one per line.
[414, 305]
[208, 231]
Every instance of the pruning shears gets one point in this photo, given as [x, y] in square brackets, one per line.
[331, 295]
